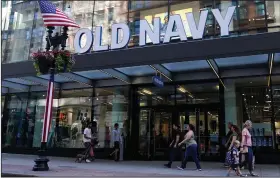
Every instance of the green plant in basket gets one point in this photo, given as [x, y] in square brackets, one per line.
[43, 61]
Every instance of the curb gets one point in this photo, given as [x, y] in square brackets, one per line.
[16, 175]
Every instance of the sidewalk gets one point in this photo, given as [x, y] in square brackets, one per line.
[22, 165]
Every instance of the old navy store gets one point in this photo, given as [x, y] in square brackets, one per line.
[175, 75]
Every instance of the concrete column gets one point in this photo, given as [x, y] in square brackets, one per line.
[230, 103]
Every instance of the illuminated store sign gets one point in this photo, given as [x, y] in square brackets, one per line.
[174, 27]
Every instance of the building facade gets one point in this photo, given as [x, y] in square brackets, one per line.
[207, 82]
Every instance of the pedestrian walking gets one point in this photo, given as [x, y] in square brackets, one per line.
[191, 148]
[227, 140]
[246, 148]
[87, 140]
[233, 159]
[236, 135]
[174, 148]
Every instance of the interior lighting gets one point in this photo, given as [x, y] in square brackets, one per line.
[158, 97]
[147, 92]
[183, 90]
[141, 93]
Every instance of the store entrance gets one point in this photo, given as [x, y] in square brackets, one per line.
[155, 130]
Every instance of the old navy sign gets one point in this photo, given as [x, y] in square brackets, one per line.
[158, 81]
[121, 34]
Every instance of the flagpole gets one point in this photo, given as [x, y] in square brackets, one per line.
[41, 163]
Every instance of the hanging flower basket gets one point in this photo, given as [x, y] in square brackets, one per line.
[43, 61]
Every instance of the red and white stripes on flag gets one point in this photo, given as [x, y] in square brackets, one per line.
[53, 16]
[48, 111]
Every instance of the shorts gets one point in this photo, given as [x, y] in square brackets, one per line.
[117, 145]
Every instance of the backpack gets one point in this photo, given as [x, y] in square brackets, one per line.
[229, 158]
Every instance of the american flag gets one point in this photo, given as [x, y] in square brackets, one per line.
[52, 16]
[48, 110]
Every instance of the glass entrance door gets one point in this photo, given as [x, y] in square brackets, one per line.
[206, 123]
[154, 132]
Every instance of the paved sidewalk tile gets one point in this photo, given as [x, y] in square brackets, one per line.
[22, 165]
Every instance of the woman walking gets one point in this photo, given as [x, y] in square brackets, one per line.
[236, 135]
[191, 148]
[246, 147]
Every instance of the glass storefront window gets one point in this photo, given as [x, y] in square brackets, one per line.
[39, 31]
[276, 106]
[181, 8]
[140, 10]
[250, 99]
[75, 113]
[251, 16]
[107, 13]
[198, 93]
[36, 109]
[110, 107]
[18, 32]
[23, 30]
[16, 134]
[273, 15]
[82, 13]
[151, 96]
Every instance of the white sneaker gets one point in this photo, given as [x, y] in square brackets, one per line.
[88, 161]
[180, 168]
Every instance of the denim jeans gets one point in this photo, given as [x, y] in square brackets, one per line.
[248, 159]
[173, 153]
[191, 151]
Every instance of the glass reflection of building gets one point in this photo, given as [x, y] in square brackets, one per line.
[144, 112]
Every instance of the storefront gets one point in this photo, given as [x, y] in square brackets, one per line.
[206, 82]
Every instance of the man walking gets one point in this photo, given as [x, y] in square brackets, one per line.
[87, 139]
[174, 148]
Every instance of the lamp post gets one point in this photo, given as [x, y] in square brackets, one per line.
[41, 163]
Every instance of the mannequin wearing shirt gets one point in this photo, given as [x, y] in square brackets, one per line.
[117, 140]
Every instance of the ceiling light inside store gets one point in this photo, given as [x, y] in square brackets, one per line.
[243, 94]
[147, 92]
[252, 96]
[141, 93]
[181, 89]
[158, 97]
[97, 98]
